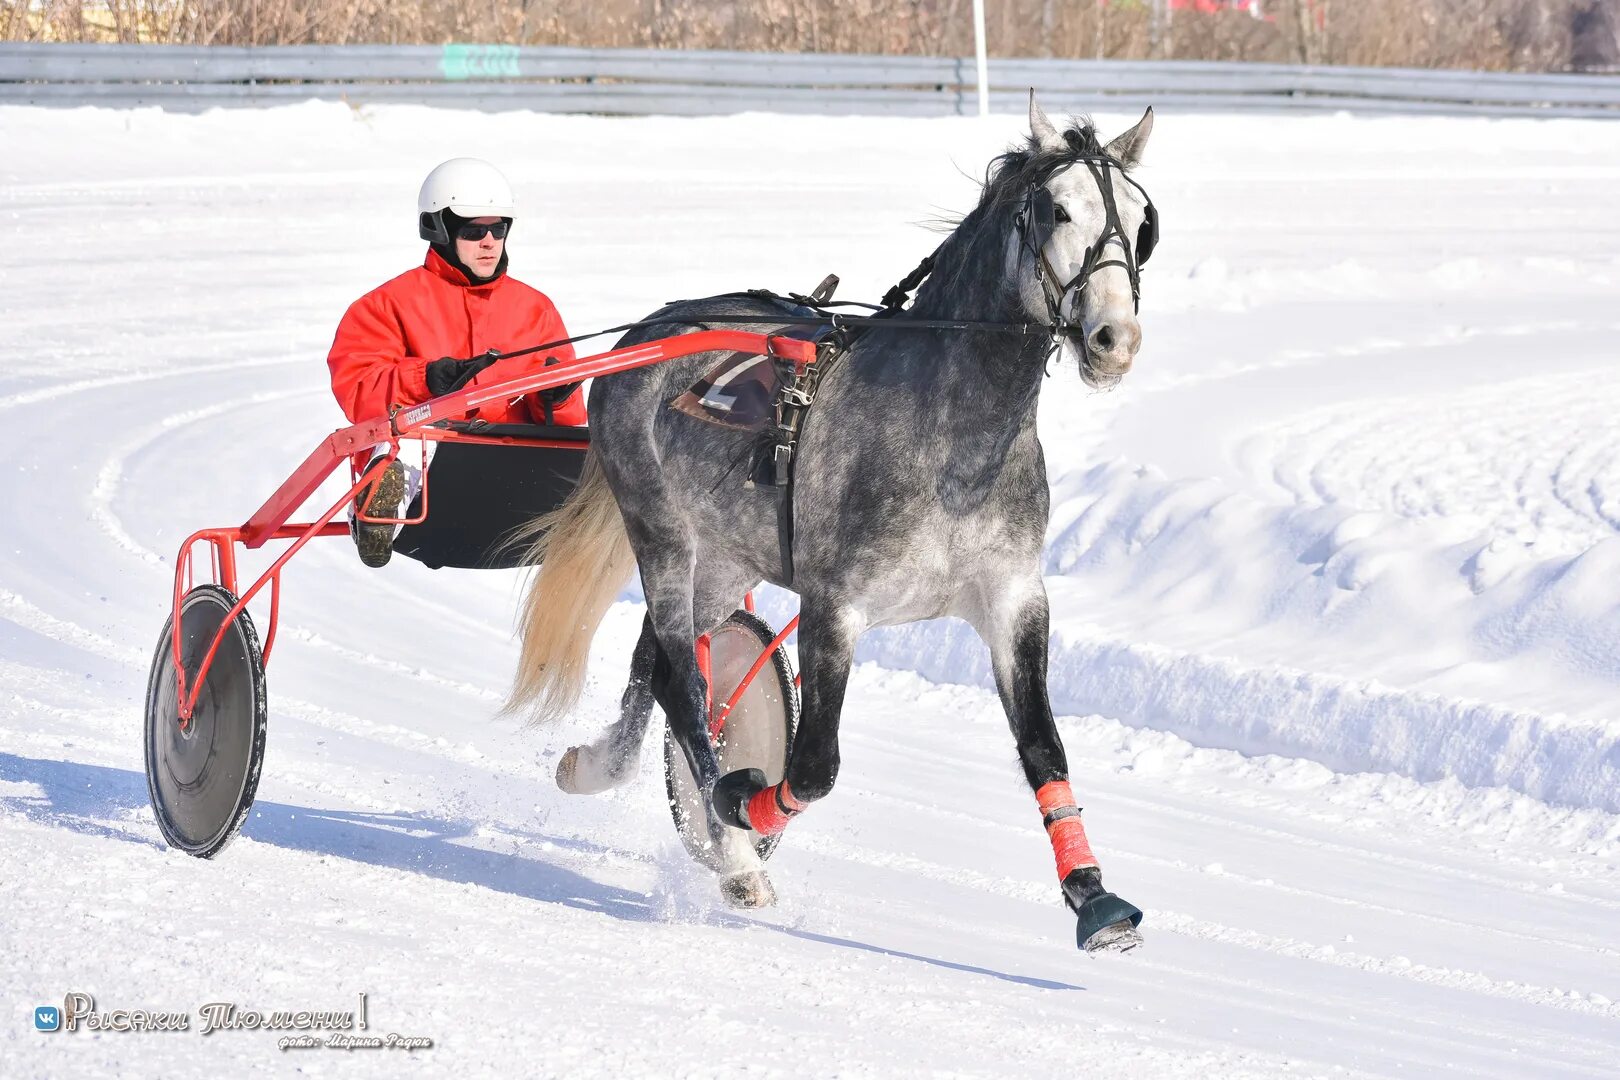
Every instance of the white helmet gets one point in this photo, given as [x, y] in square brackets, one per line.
[467, 187]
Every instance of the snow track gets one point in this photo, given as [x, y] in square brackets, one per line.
[1335, 581]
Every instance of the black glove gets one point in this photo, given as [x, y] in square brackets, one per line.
[446, 375]
[550, 399]
[559, 394]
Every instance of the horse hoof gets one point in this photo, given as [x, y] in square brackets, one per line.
[567, 770]
[1108, 924]
[578, 774]
[749, 889]
[1117, 938]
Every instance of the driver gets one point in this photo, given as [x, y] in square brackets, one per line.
[410, 339]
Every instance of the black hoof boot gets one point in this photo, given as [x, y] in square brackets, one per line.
[1106, 922]
[732, 792]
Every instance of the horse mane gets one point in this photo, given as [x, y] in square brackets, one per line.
[1010, 175]
[967, 278]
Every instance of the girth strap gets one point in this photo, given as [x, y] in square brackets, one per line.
[799, 385]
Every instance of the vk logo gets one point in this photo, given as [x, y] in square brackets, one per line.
[47, 1018]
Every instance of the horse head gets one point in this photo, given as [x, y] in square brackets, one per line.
[1082, 235]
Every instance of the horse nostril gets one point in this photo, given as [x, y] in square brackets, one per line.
[1103, 339]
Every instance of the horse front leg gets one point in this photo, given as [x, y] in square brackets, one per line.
[827, 633]
[1018, 647]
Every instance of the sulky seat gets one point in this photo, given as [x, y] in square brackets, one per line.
[481, 489]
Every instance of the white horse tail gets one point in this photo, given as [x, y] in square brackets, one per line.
[584, 558]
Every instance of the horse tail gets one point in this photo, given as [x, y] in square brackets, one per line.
[584, 558]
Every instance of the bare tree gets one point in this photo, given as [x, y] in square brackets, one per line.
[1511, 34]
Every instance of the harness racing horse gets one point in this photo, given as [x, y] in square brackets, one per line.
[920, 492]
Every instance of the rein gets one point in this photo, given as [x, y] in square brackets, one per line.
[829, 318]
[1035, 224]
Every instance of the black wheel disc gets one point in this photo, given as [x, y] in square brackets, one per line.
[202, 776]
[757, 734]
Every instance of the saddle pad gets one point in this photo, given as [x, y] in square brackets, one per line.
[739, 392]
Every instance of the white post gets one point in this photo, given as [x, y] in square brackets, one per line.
[978, 50]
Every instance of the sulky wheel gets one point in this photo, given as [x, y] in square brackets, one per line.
[202, 776]
[756, 735]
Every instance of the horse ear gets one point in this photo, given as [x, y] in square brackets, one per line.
[1127, 148]
[1040, 127]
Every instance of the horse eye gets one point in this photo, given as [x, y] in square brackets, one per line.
[1059, 214]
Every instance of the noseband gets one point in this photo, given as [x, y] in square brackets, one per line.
[1038, 220]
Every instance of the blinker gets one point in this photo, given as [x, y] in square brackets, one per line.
[1147, 237]
[1042, 217]
[1043, 222]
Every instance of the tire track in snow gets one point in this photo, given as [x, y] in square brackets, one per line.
[1346, 724]
[33, 618]
[1253, 940]
[1282, 809]
[1528, 459]
[109, 479]
[92, 737]
[1116, 851]
[107, 382]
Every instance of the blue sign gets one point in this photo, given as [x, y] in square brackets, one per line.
[460, 62]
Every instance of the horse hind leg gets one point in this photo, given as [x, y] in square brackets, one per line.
[827, 633]
[687, 596]
[612, 759]
[743, 881]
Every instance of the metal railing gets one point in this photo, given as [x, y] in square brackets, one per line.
[645, 81]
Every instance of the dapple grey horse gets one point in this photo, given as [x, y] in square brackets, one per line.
[920, 492]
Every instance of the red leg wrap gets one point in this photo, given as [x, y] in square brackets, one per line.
[770, 810]
[1054, 796]
[1068, 835]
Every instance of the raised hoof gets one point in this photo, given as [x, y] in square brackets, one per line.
[1118, 938]
[749, 889]
[1108, 924]
[577, 775]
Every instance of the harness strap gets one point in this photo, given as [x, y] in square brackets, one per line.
[799, 385]
[783, 466]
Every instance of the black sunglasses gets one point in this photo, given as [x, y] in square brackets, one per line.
[471, 231]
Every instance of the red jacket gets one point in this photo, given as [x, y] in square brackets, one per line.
[389, 336]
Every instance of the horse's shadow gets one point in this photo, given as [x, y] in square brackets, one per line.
[84, 798]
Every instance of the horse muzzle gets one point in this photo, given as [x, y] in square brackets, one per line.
[1111, 347]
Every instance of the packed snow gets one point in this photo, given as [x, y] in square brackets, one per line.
[1335, 578]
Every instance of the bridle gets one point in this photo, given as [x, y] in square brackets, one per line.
[1038, 220]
